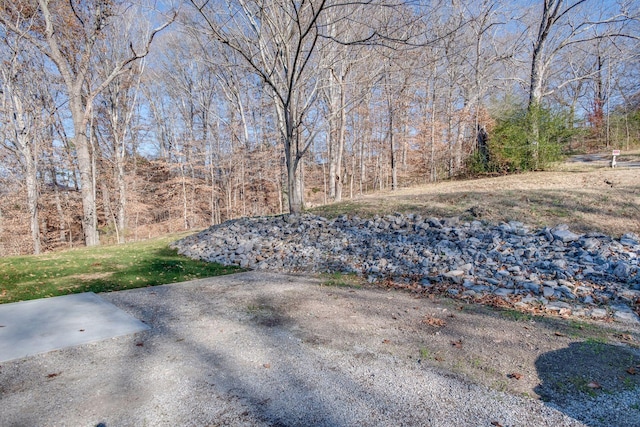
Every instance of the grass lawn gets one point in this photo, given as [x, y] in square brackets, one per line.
[100, 269]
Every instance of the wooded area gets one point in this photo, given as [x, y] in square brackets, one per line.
[123, 119]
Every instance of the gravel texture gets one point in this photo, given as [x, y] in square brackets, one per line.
[262, 349]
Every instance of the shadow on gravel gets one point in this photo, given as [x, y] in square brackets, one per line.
[580, 378]
[264, 379]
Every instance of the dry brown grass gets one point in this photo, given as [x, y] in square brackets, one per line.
[587, 196]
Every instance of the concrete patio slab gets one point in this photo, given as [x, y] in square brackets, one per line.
[39, 326]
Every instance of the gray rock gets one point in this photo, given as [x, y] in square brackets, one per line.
[531, 286]
[622, 270]
[558, 306]
[631, 295]
[468, 283]
[503, 292]
[626, 317]
[564, 235]
[598, 313]
[622, 313]
[566, 291]
[590, 244]
[630, 239]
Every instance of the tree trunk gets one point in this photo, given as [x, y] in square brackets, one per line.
[87, 191]
[538, 67]
[337, 121]
[392, 148]
[295, 187]
[122, 200]
[32, 197]
[292, 156]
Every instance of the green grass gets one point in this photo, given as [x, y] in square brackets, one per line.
[100, 269]
[342, 280]
[425, 353]
[598, 345]
[334, 210]
[515, 315]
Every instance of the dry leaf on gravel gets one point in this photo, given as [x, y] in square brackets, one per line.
[565, 312]
[625, 337]
[434, 321]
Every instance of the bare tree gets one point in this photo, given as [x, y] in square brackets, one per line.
[115, 112]
[277, 40]
[22, 111]
[68, 34]
[565, 24]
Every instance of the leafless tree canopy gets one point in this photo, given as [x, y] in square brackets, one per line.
[121, 120]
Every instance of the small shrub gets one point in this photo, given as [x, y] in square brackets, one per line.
[526, 139]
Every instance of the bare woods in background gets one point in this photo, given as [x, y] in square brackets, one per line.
[122, 120]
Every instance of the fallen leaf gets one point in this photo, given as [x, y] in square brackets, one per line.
[594, 385]
[434, 321]
[457, 344]
[632, 371]
[515, 376]
[625, 337]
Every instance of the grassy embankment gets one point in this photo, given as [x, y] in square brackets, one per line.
[101, 269]
[588, 196]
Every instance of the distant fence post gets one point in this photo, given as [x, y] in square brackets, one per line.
[614, 154]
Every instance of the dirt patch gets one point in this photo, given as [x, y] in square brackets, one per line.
[507, 350]
[587, 198]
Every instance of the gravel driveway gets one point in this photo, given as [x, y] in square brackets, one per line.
[267, 349]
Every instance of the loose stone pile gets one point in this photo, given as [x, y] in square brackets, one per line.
[552, 269]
